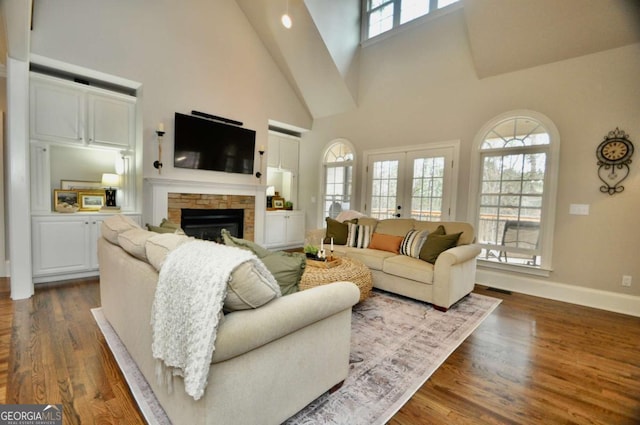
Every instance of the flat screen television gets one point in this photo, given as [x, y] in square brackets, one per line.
[204, 144]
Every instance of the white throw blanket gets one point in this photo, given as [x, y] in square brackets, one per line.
[187, 308]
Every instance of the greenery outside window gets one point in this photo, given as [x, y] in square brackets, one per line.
[338, 178]
[381, 16]
[513, 197]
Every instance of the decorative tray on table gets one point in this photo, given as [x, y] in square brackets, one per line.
[325, 264]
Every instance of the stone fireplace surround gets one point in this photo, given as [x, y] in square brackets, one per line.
[167, 197]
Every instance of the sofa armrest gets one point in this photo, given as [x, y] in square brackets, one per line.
[454, 274]
[246, 330]
[457, 254]
[312, 237]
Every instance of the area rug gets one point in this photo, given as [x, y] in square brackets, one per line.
[396, 345]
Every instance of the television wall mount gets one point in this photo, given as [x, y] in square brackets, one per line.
[216, 118]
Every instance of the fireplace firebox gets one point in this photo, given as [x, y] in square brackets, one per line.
[208, 223]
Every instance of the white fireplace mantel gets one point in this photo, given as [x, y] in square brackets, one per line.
[157, 191]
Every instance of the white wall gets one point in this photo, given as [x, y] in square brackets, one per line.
[202, 56]
[3, 188]
[420, 86]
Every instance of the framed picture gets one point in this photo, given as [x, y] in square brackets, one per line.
[79, 185]
[61, 197]
[91, 200]
[278, 203]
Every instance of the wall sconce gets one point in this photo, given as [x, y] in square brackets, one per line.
[261, 151]
[160, 133]
[109, 181]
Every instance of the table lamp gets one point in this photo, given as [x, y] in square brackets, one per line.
[109, 181]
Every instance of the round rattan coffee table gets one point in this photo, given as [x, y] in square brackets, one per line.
[348, 270]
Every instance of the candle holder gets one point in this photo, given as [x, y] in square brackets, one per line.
[158, 164]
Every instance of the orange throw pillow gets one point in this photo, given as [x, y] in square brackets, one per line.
[384, 242]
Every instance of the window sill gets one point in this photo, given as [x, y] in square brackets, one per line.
[514, 268]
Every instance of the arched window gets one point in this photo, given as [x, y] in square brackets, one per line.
[513, 195]
[338, 177]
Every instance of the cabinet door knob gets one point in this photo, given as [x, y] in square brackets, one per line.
[86, 222]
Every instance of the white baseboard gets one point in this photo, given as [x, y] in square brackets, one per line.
[604, 300]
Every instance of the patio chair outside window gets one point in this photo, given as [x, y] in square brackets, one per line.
[519, 237]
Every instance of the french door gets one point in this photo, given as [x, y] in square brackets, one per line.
[415, 184]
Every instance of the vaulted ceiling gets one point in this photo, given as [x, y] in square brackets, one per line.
[319, 54]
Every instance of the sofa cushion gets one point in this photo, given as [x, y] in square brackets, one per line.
[409, 268]
[286, 267]
[395, 226]
[372, 258]
[112, 226]
[159, 245]
[385, 242]
[436, 244]
[412, 243]
[133, 241]
[358, 235]
[369, 221]
[248, 289]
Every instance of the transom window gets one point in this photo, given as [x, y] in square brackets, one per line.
[384, 15]
[514, 203]
[338, 174]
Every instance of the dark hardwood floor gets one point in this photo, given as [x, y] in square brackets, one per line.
[533, 361]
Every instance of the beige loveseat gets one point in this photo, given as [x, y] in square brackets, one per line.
[443, 283]
[269, 362]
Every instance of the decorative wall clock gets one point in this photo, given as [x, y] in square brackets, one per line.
[614, 156]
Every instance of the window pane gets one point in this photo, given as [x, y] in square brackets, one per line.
[427, 188]
[412, 9]
[516, 132]
[381, 20]
[511, 193]
[337, 192]
[384, 188]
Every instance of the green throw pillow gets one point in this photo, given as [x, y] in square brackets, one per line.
[165, 227]
[286, 267]
[168, 224]
[436, 244]
[336, 230]
[245, 244]
[439, 231]
[159, 229]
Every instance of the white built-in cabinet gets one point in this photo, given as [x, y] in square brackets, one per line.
[283, 152]
[284, 229]
[64, 246]
[68, 112]
[75, 120]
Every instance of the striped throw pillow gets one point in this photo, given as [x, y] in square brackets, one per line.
[412, 243]
[358, 235]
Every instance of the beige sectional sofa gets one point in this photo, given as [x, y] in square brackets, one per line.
[269, 362]
[443, 283]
